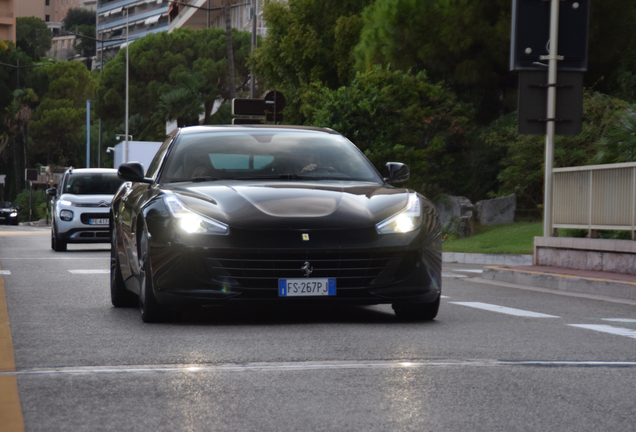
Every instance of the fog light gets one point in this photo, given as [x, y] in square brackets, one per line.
[66, 215]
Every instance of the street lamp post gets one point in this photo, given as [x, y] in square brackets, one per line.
[18, 67]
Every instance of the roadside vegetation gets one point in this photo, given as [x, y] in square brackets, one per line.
[515, 238]
[421, 82]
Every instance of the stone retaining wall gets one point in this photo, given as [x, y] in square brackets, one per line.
[618, 256]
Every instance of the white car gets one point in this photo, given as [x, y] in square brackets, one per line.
[81, 207]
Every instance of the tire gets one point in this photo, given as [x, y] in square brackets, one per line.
[119, 295]
[151, 311]
[417, 311]
[56, 244]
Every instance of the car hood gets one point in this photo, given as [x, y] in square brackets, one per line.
[294, 204]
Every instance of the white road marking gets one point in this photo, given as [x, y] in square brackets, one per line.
[5, 272]
[623, 320]
[469, 270]
[619, 331]
[444, 297]
[504, 310]
[455, 275]
[89, 271]
[293, 366]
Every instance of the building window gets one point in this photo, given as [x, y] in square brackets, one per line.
[47, 2]
[47, 18]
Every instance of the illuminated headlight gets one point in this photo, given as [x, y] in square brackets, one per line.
[66, 215]
[66, 203]
[13, 214]
[405, 221]
[191, 222]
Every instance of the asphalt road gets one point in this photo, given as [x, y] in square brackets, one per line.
[495, 359]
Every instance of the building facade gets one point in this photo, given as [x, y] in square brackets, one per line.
[137, 17]
[8, 13]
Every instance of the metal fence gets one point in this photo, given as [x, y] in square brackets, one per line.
[595, 197]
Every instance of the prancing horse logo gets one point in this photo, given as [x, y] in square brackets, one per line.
[307, 269]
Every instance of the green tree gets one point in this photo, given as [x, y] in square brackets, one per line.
[77, 17]
[619, 143]
[83, 45]
[522, 172]
[308, 41]
[163, 62]
[33, 36]
[397, 116]
[59, 121]
[464, 43]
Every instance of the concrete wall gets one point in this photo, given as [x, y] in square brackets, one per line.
[618, 256]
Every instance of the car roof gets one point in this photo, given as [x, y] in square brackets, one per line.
[251, 128]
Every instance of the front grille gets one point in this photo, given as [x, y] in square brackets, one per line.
[351, 269]
[85, 217]
[96, 204]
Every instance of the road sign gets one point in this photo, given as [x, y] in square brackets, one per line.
[533, 103]
[269, 107]
[530, 35]
[248, 107]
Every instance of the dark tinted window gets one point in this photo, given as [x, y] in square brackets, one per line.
[92, 184]
[266, 154]
[156, 161]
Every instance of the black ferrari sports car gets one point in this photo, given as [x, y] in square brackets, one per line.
[271, 213]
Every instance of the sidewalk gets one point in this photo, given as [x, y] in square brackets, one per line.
[518, 270]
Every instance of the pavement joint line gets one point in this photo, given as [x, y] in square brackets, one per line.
[561, 275]
[552, 291]
[295, 366]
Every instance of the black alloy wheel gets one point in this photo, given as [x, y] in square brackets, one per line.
[151, 311]
[417, 311]
[119, 295]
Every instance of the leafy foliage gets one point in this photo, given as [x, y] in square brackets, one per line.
[464, 43]
[59, 121]
[308, 41]
[77, 17]
[393, 115]
[619, 143]
[33, 36]
[524, 160]
[171, 75]
[37, 199]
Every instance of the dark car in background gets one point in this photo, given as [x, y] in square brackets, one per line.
[271, 214]
[8, 213]
[81, 206]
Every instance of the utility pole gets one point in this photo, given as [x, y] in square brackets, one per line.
[254, 18]
[552, 58]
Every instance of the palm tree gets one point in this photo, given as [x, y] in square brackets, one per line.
[619, 145]
[228, 46]
[20, 112]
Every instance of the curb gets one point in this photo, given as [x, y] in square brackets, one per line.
[568, 283]
[486, 259]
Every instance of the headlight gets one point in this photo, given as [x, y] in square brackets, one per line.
[192, 222]
[66, 215]
[66, 203]
[13, 214]
[405, 221]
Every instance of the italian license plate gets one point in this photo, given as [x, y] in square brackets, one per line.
[98, 221]
[300, 287]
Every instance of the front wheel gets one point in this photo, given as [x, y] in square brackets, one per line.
[56, 244]
[417, 311]
[151, 311]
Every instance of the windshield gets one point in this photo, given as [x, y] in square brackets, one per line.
[92, 184]
[265, 154]
[5, 204]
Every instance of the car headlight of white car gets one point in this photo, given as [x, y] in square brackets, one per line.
[407, 220]
[192, 222]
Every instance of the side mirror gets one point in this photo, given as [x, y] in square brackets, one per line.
[17, 207]
[51, 191]
[132, 171]
[398, 172]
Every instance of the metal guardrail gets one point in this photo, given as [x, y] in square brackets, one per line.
[595, 197]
